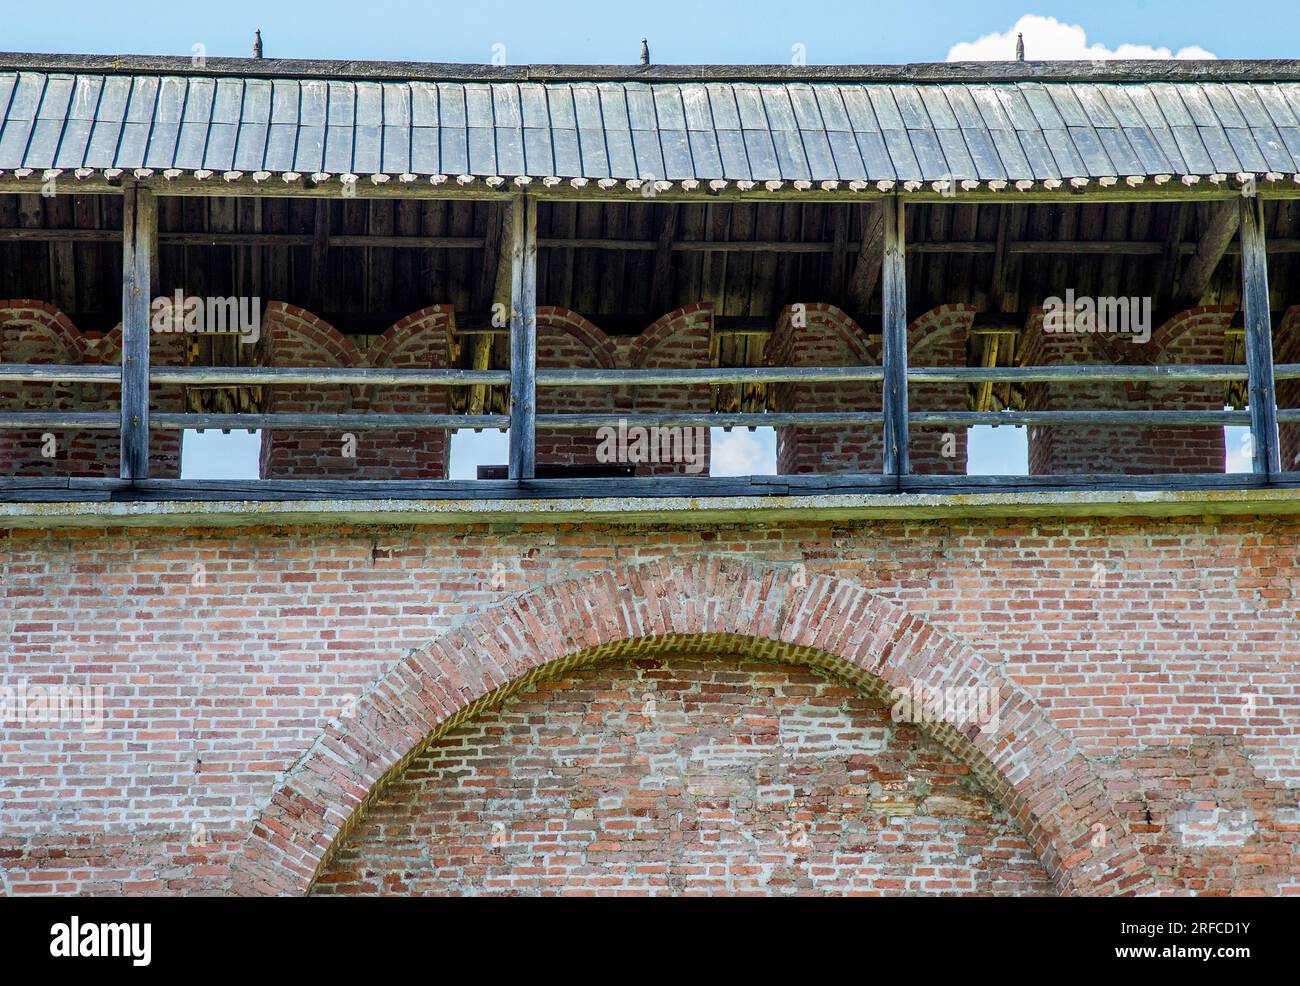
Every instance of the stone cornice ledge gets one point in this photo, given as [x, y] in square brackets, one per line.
[675, 511]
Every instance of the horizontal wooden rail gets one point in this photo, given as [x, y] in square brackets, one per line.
[200, 238]
[331, 422]
[107, 420]
[59, 373]
[452, 377]
[710, 419]
[361, 376]
[1069, 419]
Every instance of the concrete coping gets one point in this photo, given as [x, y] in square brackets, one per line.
[677, 511]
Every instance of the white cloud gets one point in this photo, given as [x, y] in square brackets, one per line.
[1046, 39]
[741, 452]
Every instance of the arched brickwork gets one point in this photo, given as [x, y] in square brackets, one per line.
[681, 339]
[1286, 349]
[823, 335]
[830, 338]
[707, 605]
[1192, 336]
[686, 774]
[297, 338]
[38, 332]
[566, 340]
[421, 340]
[937, 338]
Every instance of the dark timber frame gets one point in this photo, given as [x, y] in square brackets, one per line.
[140, 236]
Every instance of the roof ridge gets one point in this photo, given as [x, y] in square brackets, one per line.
[1142, 70]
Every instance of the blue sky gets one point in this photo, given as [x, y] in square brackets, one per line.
[590, 31]
[726, 31]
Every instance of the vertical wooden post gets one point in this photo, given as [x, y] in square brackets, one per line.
[893, 285]
[1259, 339]
[523, 337]
[139, 236]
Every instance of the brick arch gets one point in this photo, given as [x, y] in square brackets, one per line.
[1028, 765]
[1192, 336]
[786, 349]
[1286, 349]
[409, 341]
[43, 328]
[302, 336]
[39, 332]
[688, 318]
[599, 345]
[294, 337]
[937, 338]
[829, 337]
[566, 340]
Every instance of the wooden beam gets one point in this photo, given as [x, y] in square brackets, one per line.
[894, 338]
[661, 281]
[139, 232]
[498, 259]
[523, 338]
[839, 222]
[1170, 256]
[871, 251]
[1259, 338]
[320, 243]
[1209, 252]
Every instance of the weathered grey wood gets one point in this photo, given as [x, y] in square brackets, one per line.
[1259, 339]
[140, 228]
[710, 375]
[320, 242]
[871, 251]
[33, 420]
[710, 419]
[523, 338]
[365, 376]
[1071, 419]
[870, 247]
[1119, 70]
[359, 376]
[330, 422]
[661, 281]
[1209, 252]
[894, 338]
[1166, 285]
[59, 372]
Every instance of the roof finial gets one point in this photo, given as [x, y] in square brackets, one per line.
[645, 52]
[257, 43]
[1020, 47]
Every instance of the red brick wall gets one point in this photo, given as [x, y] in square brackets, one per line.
[831, 338]
[681, 339]
[706, 775]
[1192, 336]
[566, 340]
[37, 332]
[1286, 349]
[297, 338]
[827, 337]
[1156, 655]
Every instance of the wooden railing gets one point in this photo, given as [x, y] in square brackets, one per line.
[135, 375]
